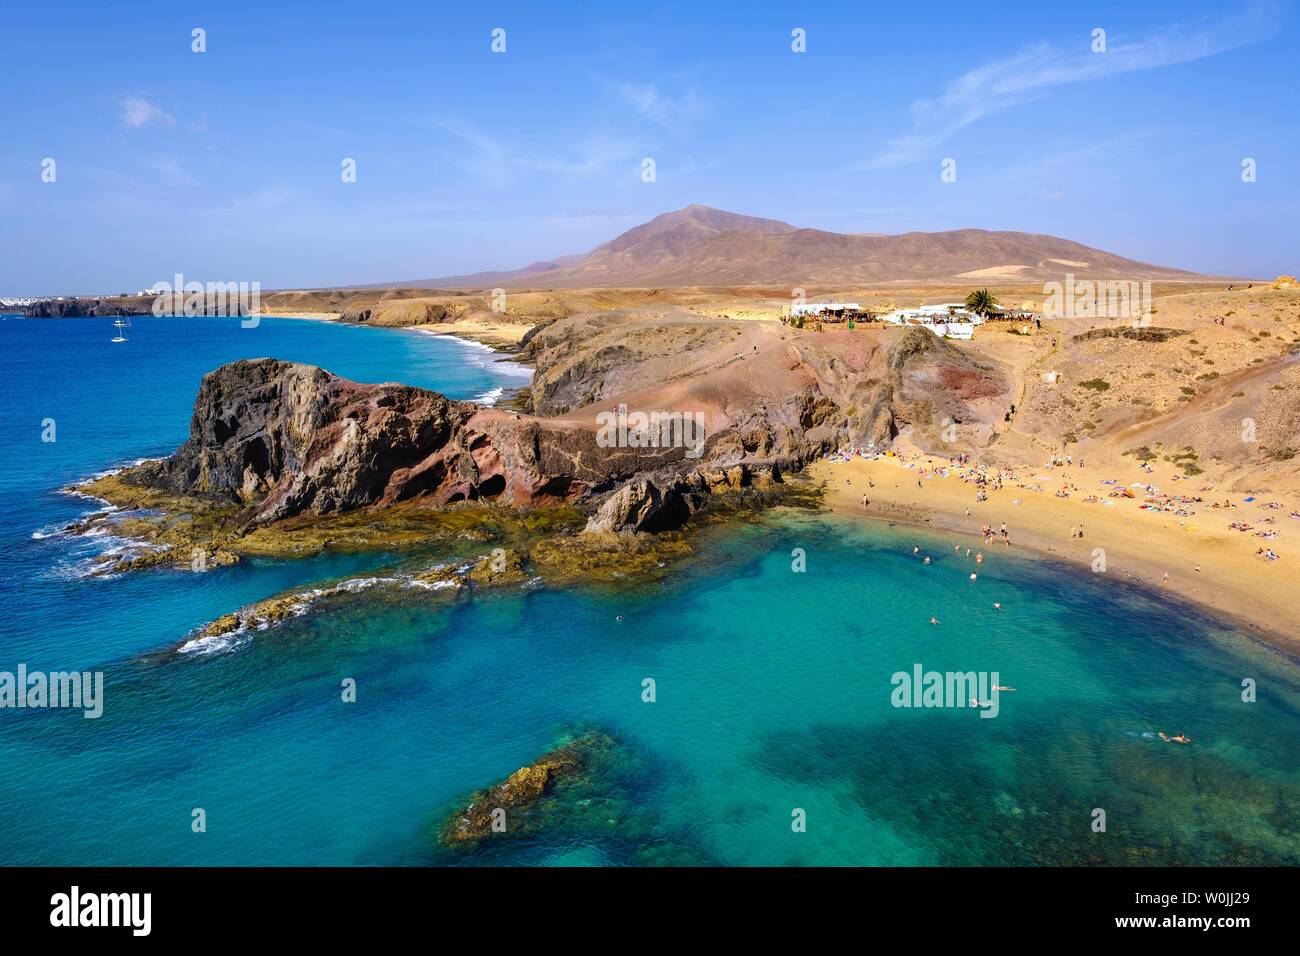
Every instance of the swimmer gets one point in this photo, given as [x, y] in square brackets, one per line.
[935, 620]
[997, 605]
[917, 549]
[1003, 690]
[619, 618]
[1176, 739]
[979, 558]
[972, 575]
[927, 559]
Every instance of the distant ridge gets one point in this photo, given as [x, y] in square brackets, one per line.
[703, 246]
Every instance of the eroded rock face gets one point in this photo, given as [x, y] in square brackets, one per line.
[286, 439]
[642, 505]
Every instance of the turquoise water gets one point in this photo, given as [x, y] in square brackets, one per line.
[772, 686]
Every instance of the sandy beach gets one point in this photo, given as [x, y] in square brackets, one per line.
[488, 333]
[1206, 562]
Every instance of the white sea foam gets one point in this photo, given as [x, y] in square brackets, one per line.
[484, 356]
[238, 636]
[489, 397]
[430, 585]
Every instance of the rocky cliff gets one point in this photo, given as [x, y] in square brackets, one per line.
[76, 308]
[280, 439]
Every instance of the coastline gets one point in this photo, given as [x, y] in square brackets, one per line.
[500, 336]
[1140, 547]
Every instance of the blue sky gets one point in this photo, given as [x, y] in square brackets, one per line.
[225, 165]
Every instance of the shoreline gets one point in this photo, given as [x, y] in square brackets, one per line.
[1232, 585]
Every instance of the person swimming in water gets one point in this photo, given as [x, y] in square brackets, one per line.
[1003, 690]
[997, 605]
[935, 620]
[1176, 739]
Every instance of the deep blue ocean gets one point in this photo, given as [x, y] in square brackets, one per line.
[773, 686]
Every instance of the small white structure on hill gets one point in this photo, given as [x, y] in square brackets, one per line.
[949, 319]
[823, 308]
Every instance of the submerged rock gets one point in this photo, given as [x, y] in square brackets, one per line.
[607, 556]
[534, 797]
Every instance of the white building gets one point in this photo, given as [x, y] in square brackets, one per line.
[822, 308]
[948, 319]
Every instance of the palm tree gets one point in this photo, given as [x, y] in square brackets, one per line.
[982, 302]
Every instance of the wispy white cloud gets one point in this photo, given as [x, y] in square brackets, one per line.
[656, 106]
[491, 160]
[170, 171]
[137, 112]
[1029, 74]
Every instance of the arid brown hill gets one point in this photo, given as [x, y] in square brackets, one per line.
[701, 246]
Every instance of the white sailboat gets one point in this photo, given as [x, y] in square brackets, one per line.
[119, 325]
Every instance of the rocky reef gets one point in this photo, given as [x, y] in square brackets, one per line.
[522, 802]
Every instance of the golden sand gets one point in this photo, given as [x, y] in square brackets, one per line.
[1205, 561]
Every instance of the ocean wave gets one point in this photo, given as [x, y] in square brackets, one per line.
[489, 397]
[229, 640]
[216, 643]
[430, 585]
[484, 356]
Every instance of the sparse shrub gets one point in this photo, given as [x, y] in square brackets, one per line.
[1096, 384]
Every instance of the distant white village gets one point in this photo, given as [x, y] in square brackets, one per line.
[953, 320]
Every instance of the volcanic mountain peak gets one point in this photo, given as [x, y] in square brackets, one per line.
[693, 223]
[703, 246]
